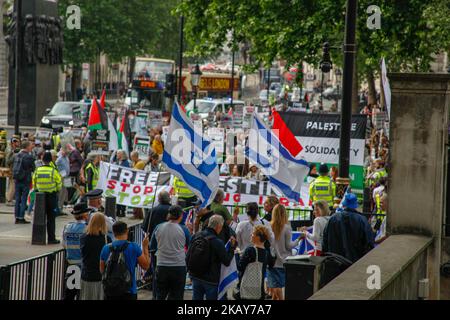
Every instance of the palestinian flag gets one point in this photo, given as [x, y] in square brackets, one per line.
[98, 119]
[124, 134]
[287, 138]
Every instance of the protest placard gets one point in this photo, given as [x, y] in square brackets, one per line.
[132, 188]
[165, 133]
[142, 146]
[143, 114]
[44, 134]
[100, 147]
[247, 116]
[155, 118]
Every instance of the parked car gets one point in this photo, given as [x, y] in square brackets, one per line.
[61, 114]
[205, 106]
[331, 94]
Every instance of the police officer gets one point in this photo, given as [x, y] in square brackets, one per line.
[94, 202]
[186, 198]
[71, 242]
[380, 172]
[323, 188]
[46, 179]
[91, 172]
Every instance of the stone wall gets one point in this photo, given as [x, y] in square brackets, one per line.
[418, 160]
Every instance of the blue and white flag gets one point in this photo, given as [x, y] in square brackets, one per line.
[228, 276]
[285, 172]
[305, 246]
[191, 157]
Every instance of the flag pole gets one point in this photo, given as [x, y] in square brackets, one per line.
[153, 202]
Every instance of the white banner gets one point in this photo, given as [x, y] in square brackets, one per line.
[317, 149]
[132, 188]
[239, 191]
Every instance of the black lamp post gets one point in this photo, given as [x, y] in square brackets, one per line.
[196, 74]
[180, 59]
[338, 74]
[347, 87]
[325, 66]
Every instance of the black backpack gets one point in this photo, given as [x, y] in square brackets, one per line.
[116, 278]
[18, 171]
[198, 257]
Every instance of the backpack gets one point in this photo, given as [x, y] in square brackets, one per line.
[198, 257]
[251, 282]
[116, 278]
[18, 171]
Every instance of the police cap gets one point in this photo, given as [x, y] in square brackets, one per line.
[323, 169]
[80, 208]
[94, 194]
[47, 158]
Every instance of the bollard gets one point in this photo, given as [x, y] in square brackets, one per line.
[39, 233]
[110, 207]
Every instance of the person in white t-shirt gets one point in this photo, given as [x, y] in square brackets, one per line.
[322, 214]
[244, 229]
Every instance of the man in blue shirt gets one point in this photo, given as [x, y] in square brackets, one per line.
[170, 241]
[133, 254]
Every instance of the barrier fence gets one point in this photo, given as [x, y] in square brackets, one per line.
[42, 277]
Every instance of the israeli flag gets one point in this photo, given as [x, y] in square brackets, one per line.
[305, 246]
[285, 172]
[191, 157]
[228, 276]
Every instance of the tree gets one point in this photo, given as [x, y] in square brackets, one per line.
[294, 30]
[120, 29]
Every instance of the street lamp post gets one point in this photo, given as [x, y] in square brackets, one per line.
[180, 59]
[338, 74]
[195, 81]
[347, 86]
[18, 61]
[325, 66]
[232, 79]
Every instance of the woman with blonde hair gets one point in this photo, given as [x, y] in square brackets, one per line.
[283, 246]
[322, 214]
[91, 244]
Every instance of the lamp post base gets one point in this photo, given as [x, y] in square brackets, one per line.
[341, 186]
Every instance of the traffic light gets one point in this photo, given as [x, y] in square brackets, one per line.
[326, 65]
[171, 85]
[299, 77]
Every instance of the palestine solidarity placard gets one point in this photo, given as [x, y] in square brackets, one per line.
[132, 188]
[319, 136]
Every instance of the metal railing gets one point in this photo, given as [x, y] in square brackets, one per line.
[42, 277]
[298, 217]
[38, 278]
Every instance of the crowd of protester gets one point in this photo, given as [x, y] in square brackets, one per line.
[177, 250]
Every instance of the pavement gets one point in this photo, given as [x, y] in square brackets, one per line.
[15, 239]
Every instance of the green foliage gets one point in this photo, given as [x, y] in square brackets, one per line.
[295, 30]
[121, 28]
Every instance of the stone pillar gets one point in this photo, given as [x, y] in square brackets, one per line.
[418, 160]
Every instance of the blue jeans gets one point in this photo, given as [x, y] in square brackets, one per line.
[200, 289]
[22, 190]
